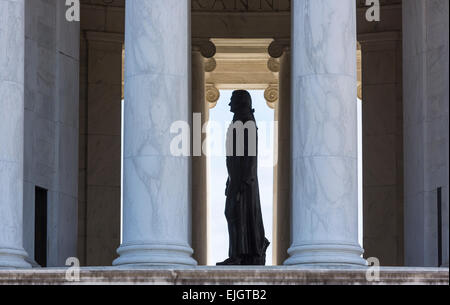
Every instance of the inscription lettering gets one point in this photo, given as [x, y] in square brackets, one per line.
[242, 5]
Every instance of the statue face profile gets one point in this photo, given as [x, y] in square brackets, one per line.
[240, 101]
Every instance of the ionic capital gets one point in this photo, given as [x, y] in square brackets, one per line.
[210, 64]
[278, 47]
[271, 94]
[273, 64]
[206, 47]
[212, 95]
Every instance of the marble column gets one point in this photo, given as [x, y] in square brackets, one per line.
[281, 50]
[426, 131]
[156, 190]
[200, 108]
[12, 46]
[324, 135]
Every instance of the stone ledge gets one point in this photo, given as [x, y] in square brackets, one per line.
[227, 276]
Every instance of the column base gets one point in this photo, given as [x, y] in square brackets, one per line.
[13, 258]
[155, 255]
[327, 255]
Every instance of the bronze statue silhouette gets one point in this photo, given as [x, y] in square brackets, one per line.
[247, 242]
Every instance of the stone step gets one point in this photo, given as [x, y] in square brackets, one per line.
[227, 276]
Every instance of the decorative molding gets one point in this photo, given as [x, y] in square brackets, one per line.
[241, 64]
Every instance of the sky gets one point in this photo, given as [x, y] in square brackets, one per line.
[221, 115]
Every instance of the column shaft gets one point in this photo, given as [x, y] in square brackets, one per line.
[12, 46]
[283, 224]
[199, 163]
[324, 134]
[156, 191]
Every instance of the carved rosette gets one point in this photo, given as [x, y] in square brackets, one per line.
[271, 95]
[212, 96]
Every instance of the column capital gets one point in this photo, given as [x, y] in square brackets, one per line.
[273, 64]
[271, 95]
[212, 95]
[279, 46]
[210, 64]
[205, 46]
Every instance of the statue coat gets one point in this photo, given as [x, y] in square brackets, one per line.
[243, 207]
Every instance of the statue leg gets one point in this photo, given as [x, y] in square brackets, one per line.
[233, 222]
[231, 216]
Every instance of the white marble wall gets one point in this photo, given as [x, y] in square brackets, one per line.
[426, 127]
[324, 139]
[51, 125]
[101, 135]
[12, 18]
[156, 190]
[382, 132]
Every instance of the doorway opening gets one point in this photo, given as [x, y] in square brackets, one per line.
[239, 64]
[220, 117]
[40, 227]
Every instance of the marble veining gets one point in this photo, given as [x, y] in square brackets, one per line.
[156, 184]
[12, 45]
[325, 35]
[324, 135]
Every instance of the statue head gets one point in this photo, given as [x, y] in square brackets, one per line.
[241, 101]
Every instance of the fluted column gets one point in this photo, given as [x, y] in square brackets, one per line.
[200, 109]
[156, 191]
[12, 46]
[324, 134]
